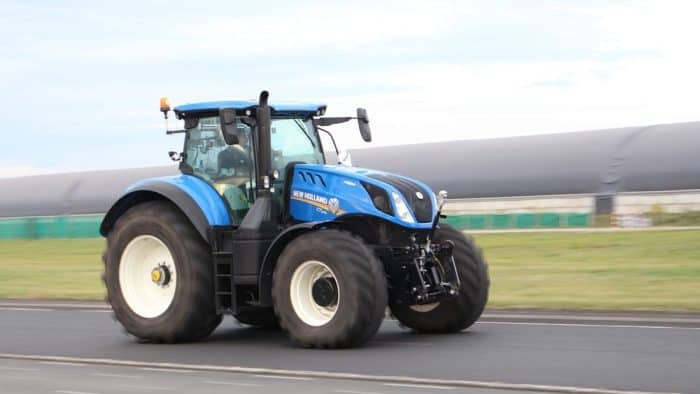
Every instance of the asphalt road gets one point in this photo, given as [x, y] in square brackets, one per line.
[656, 354]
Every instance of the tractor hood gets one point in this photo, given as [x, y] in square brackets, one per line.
[325, 192]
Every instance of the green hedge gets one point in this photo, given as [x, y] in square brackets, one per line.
[87, 226]
[43, 227]
[502, 221]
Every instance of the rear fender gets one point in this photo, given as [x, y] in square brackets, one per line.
[197, 200]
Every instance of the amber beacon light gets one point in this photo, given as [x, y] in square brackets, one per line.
[165, 106]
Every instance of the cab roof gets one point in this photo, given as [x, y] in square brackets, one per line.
[282, 108]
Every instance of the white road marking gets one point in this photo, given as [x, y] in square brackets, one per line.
[140, 388]
[115, 375]
[31, 378]
[176, 370]
[232, 383]
[455, 383]
[404, 343]
[518, 323]
[26, 309]
[18, 369]
[70, 364]
[419, 386]
[72, 392]
[282, 377]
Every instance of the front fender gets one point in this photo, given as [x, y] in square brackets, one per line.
[274, 251]
[197, 200]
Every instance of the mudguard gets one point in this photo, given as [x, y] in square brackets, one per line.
[197, 199]
[273, 252]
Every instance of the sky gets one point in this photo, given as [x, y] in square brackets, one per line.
[82, 79]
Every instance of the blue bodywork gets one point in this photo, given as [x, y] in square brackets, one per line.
[290, 108]
[205, 196]
[336, 192]
[340, 194]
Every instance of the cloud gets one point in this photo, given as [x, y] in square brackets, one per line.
[332, 27]
[485, 100]
[16, 170]
[426, 71]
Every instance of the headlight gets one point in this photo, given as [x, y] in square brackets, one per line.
[401, 209]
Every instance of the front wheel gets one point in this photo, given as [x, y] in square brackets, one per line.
[457, 313]
[159, 275]
[329, 290]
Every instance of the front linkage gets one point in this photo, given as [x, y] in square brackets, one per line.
[422, 274]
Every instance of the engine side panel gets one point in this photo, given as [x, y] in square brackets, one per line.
[321, 193]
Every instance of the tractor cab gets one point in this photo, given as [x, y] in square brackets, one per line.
[231, 168]
[240, 156]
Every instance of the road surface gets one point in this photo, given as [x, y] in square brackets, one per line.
[506, 350]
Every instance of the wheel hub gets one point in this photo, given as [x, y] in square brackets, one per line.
[314, 293]
[161, 275]
[147, 276]
[325, 292]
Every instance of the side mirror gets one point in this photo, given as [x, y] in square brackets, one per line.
[344, 158]
[227, 118]
[363, 122]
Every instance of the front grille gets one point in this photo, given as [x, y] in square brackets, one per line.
[422, 208]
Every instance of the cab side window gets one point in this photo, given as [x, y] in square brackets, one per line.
[228, 168]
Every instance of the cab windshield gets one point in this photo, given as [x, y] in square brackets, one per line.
[294, 140]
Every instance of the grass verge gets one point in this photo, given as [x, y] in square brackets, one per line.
[55, 268]
[652, 270]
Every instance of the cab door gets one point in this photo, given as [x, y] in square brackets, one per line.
[230, 169]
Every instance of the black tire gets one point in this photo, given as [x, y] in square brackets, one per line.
[192, 313]
[361, 287]
[261, 318]
[460, 312]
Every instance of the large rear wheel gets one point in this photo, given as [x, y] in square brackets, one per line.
[329, 290]
[458, 313]
[158, 275]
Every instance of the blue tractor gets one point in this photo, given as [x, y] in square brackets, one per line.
[260, 227]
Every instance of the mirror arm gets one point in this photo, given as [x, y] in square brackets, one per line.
[168, 132]
[328, 121]
[332, 139]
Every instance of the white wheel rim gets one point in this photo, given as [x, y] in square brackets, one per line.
[424, 308]
[140, 258]
[300, 292]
